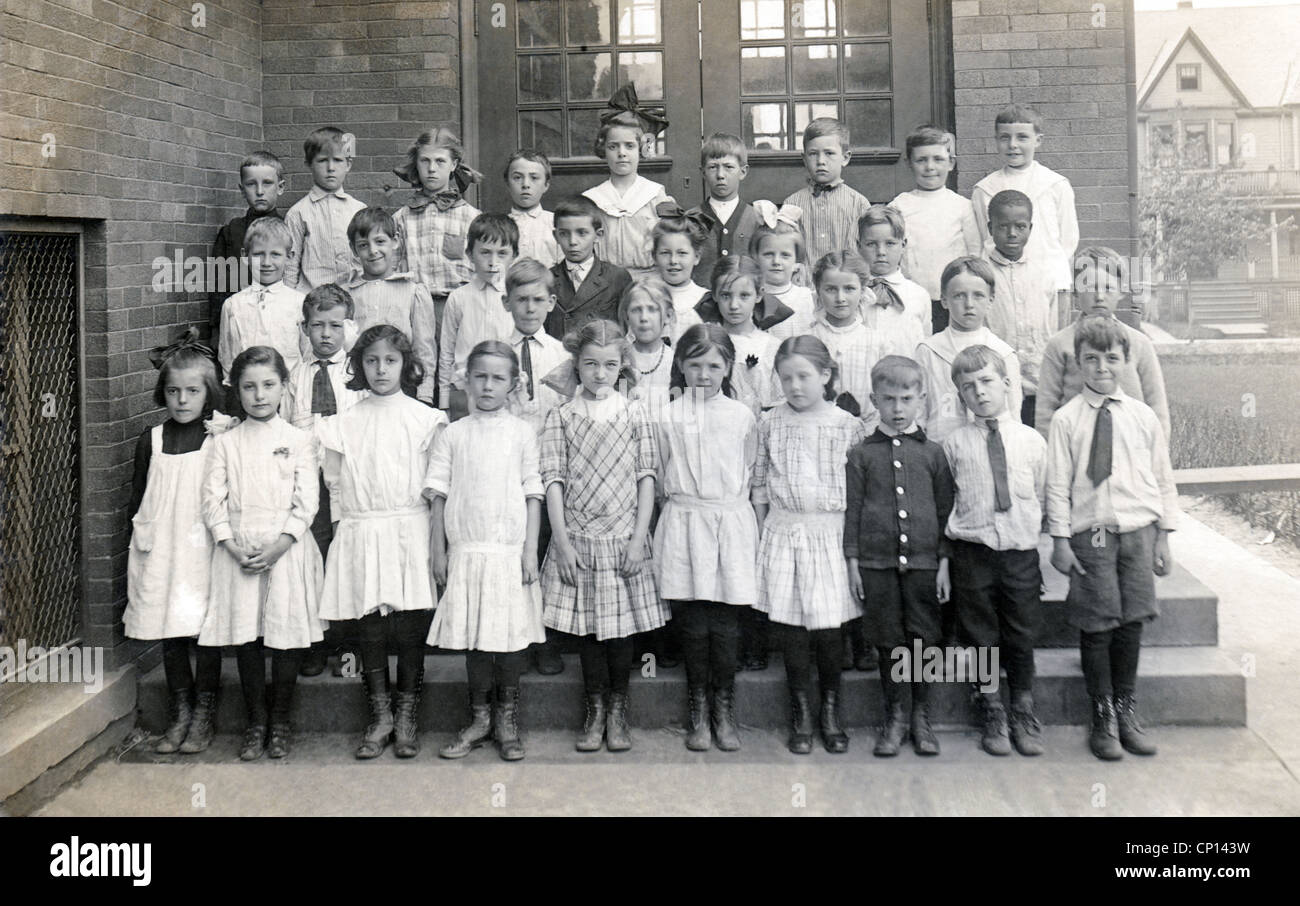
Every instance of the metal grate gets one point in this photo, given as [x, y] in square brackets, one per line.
[40, 496]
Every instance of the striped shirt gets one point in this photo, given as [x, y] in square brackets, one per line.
[536, 234]
[398, 300]
[318, 223]
[940, 227]
[830, 220]
[1023, 310]
[475, 312]
[295, 407]
[855, 349]
[433, 245]
[974, 513]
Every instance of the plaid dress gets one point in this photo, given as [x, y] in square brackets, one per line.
[599, 452]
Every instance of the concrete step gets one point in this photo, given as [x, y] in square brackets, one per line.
[1192, 686]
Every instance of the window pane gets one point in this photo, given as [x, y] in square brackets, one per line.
[815, 68]
[638, 22]
[870, 122]
[806, 113]
[583, 126]
[543, 130]
[762, 19]
[539, 78]
[539, 23]
[865, 17]
[1196, 145]
[814, 18]
[762, 70]
[588, 22]
[1223, 143]
[866, 67]
[645, 70]
[766, 126]
[590, 76]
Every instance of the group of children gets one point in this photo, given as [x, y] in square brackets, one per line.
[619, 416]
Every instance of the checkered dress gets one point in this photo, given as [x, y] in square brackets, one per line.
[433, 245]
[599, 452]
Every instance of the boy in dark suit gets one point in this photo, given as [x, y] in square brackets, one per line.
[724, 162]
[586, 288]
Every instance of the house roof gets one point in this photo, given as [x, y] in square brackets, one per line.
[1255, 49]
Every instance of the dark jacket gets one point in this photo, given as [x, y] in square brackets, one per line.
[733, 237]
[598, 297]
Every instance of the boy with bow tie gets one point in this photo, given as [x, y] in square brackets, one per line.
[831, 207]
[897, 308]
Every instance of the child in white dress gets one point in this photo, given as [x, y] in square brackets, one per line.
[841, 281]
[260, 492]
[788, 305]
[731, 303]
[676, 241]
[375, 458]
[798, 495]
[487, 492]
[647, 314]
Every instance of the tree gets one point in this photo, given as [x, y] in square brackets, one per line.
[1190, 224]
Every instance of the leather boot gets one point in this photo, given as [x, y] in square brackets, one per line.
[181, 714]
[203, 725]
[1103, 736]
[279, 741]
[724, 718]
[471, 737]
[865, 659]
[617, 737]
[314, 661]
[801, 723]
[505, 724]
[1131, 735]
[924, 742]
[834, 739]
[593, 728]
[894, 729]
[406, 710]
[380, 729]
[996, 739]
[254, 741]
[699, 738]
[1026, 732]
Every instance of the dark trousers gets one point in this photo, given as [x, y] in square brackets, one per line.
[606, 665]
[492, 669]
[800, 646]
[409, 629]
[710, 634]
[1110, 659]
[997, 594]
[251, 659]
[206, 676]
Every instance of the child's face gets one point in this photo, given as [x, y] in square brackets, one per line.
[984, 392]
[491, 260]
[527, 182]
[1098, 290]
[329, 168]
[736, 302]
[722, 176]
[881, 249]
[598, 369]
[825, 159]
[645, 320]
[622, 150]
[777, 258]
[1102, 368]
[803, 382]
[898, 406]
[675, 258]
[489, 382]
[1010, 226]
[705, 373]
[434, 166]
[268, 258]
[576, 237]
[261, 187]
[325, 330]
[930, 165]
[260, 389]
[967, 299]
[378, 253]
[1017, 143]
[382, 365]
[529, 305]
[186, 394]
[840, 295]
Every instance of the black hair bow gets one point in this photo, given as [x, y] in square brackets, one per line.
[698, 217]
[652, 119]
[188, 340]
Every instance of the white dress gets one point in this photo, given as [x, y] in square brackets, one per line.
[486, 465]
[262, 481]
[707, 538]
[654, 380]
[171, 550]
[753, 376]
[376, 455]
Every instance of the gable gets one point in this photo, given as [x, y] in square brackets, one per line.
[1215, 90]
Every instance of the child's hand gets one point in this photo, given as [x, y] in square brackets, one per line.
[263, 560]
[942, 584]
[240, 555]
[633, 557]
[530, 565]
[1163, 562]
[568, 562]
[438, 564]
[855, 580]
[1063, 558]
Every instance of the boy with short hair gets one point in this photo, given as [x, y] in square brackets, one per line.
[528, 177]
[586, 288]
[999, 468]
[941, 223]
[1019, 131]
[831, 208]
[319, 220]
[892, 305]
[1111, 504]
[266, 312]
[475, 311]
[261, 179]
[724, 162]
[1024, 308]
[529, 299]
[385, 295]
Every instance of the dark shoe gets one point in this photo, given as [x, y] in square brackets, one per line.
[699, 737]
[406, 738]
[724, 719]
[254, 743]
[1103, 737]
[1131, 735]
[202, 725]
[380, 729]
[893, 732]
[471, 737]
[278, 745]
[593, 728]
[505, 724]
[834, 739]
[181, 714]
[617, 737]
[314, 661]
[924, 742]
[547, 660]
[801, 723]
[997, 738]
[1026, 732]
[755, 659]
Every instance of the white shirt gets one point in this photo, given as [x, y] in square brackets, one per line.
[578, 272]
[547, 354]
[724, 209]
[263, 316]
[944, 410]
[295, 407]
[536, 234]
[975, 516]
[685, 298]
[899, 331]
[940, 227]
[1055, 235]
[475, 312]
[1023, 310]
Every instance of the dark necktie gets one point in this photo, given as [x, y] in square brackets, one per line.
[1099, 457]
[526, 362]
[886, 295]
[322, 391]
[998, 460]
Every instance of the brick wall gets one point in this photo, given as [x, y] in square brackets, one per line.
[1052, 55]
[151, 116]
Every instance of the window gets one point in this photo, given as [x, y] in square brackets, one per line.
[1223, 144]
[1189, 76]
[1196, 144]
[1163, 152]
[572, 55]
[802, 59]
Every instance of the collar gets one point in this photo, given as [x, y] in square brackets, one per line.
[1093, 398]
[269, 288]
[1000, 259]
[532, 213]
[250, 215]
[893, 278]
[1003, 420]
[516, 337]
[818, 189]
[582, 267]
[724, 209]
[824, 321]
[337, 359]
[316, 193]
[359, 278]
[881, 436]
[637, 196]
[484, 286]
